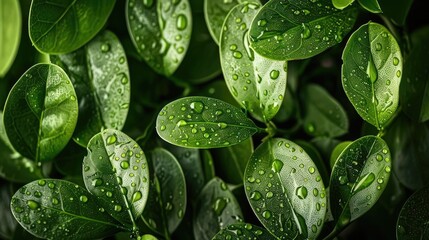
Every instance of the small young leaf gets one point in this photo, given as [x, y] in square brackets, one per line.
[288, 30]
[216, 207]
[57, 209]
[115, 170]
[285, 190]
[341, 4]
[10, 18]
[257, 83]
[63, 26]
[414, 217]
[202, 122]
[40, 112]
[358, 178]
[243, 231]
[167, 199]
[371, 73]
[323, 115]
[370, 5]
[161, 31]
[100, 75]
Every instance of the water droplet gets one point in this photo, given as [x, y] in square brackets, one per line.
[136, 196]
[371, 71]
[180, 213]
[277, 165]
[218, 112]
[387, 169]
[162, 128]
[311, 170]
[269, 195]
[125, 164]
[51, 185]
[233, 47]
[395, 61]
[33, 205]
[306, 32]
[398, 73]
[364, 182]
[41, 182]
[117, 208]
[198, 107]
[310, 128]
[206, 135]
[83, 198]
[222, 125]
[105, 47]
[219, 205]
[237, 54]
[315, 192]
[109, 194]
[266, 214]
[379, 157]
[111, 139]
[147, 3]
[55, 201]
[181, 123]
[343, 180]
[274, 74]
[255, 195]
[182, 22]
[378, 46]
[301, 192]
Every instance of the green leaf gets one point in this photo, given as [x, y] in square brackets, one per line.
[337, 151]
[40, 112]
[243, 231]
[414, 92]
[370, 5]
[257, 83]
[323, 114]
[10, 25]
[216, 207]
[161, 32]
[409, 142]
[57, 209]
[371, 73]
[288, 30]
[201, 62]
[99, 72]
[202, 122]
[231, 161]
[358, 178]
[317, 159]
[116, 171]
[341, 4]
[287, 108]
[63, 26]
[167, 198]
[285, 190]
[397, 10]
[414, 216]
[207, 163]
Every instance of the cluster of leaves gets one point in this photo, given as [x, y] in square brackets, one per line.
[148, 131]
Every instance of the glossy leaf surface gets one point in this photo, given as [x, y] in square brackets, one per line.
[288, 30]
[323, 114]
[341, 4]
[358, 178]
[116, 171]
[100, 75]
[167, 198]
[243, 231]
[202, 122]
[10, 25]
[370, 5]
[285, 190]
[62, 26]
[216, 208]
[57, 209]
[414, 216]
[40, 113]
[371, 73]
[161, 31]
[257, 83]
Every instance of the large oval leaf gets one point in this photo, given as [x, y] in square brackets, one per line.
[57, 209]
[358, 178]
[256, 82]
[285, 190]
[243, 231]
[167, 198]
[414, 217]
[371, 73]
[323, 115]
[161, 31]
[62, 26]
[202, 122]
[10, 18]
[115, 170]
[216, 208]
[40, 112]
[287, 29]
[100, 75]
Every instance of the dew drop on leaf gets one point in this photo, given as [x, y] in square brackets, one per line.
[301, 192]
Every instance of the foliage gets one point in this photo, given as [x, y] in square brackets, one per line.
[214, 119]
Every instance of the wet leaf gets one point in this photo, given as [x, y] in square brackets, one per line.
[257, 83]
[288, 30]
[10, 18]
[243, 231]
[161, 32]
[337, 151]
[371, 73]
[216, 208]
[370, 5]
[285, 190]
[63, 26]
[40, 112]
[358, 178]
[323, 114]
[341, 4]
[116, 171]
[414, 216]
[202, 122]
[57, 209]
[99, 72]
[167, 198]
